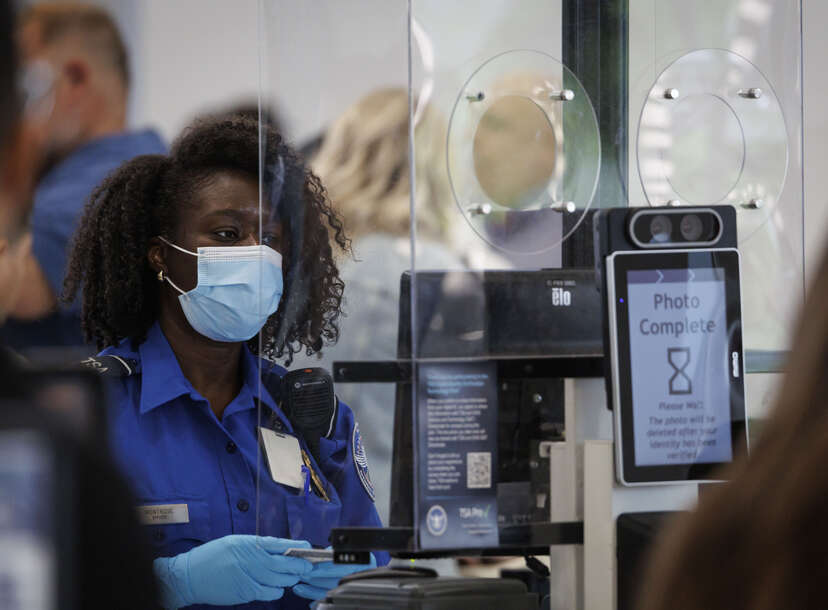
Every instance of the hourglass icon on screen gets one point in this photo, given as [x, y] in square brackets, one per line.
[679, 358]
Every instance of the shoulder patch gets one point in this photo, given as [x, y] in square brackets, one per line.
[361, 462]
[111, 366]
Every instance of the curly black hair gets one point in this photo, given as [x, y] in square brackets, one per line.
[145, 198]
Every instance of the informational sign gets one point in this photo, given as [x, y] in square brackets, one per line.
[679, 363]
[457, 455]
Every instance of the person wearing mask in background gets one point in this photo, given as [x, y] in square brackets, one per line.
[181, 282]
[24, 110]
[108, 562]
[79, 58]
[760, 541]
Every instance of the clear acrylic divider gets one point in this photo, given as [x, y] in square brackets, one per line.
[463, 146]
[514, 147]
[716, 117]
[334, 105]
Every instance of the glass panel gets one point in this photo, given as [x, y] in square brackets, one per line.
[337, 73]
[487, 297]
[502, 167]
[463, 162]
[721, 138]
[511, 169]
[514, 130]
[716, 103]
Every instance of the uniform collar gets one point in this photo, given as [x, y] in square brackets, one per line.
[254, 381]
[163, 381]
[161, 376]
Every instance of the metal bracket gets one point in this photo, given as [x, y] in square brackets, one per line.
[480, 209]
[565, 95]
[562, 206]
[753, 93]
[402, 371]
[545, 448]
[515, 541]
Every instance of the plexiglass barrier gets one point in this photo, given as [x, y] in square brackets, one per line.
[454, 194]
[488, 324]
[336, 75]
[716, 117]
[456, 151]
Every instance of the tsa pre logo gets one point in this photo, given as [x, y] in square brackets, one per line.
[361, 462]
[436, 520]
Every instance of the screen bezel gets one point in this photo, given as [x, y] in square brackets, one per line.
[618, 264]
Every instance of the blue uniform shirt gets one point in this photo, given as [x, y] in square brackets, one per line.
[59, 201]
[174, 450]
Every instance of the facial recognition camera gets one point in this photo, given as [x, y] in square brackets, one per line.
[622, 229]
[673, 364]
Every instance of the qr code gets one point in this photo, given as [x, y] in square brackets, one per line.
[479, 470]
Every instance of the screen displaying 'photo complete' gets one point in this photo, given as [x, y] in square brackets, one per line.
[679, 366]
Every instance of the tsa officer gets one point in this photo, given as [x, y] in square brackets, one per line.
[182, 282]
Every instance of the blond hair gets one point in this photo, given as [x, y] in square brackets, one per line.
[364, 164]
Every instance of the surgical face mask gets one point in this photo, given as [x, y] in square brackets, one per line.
[238, 288]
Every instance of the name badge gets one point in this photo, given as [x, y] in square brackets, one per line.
[163, 514]
[284, 457]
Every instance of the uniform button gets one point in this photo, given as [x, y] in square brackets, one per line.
[231, 447]
[159, 536]
[243, 505]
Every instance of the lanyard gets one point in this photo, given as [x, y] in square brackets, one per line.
[316, 482]
[318, 487]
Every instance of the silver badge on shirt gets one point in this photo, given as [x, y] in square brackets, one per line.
[284, 457]
[163, 514]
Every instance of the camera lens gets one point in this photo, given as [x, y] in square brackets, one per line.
[691, 227]
[660, 228]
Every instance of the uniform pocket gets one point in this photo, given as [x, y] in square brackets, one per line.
[311, 518]
[175, 526]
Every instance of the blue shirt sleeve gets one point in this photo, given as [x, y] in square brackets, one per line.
[340, 466]
[55, 218]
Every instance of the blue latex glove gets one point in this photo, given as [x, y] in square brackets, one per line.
[325, 576]
[230, 570]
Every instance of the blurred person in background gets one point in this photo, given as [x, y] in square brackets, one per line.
[77, 57]
[760, 541]
[21, 136]
[57, 547]
[364, 164]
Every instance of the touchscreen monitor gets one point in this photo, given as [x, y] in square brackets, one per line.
[675, 326]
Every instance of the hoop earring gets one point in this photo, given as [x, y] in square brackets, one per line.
[161, 276]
